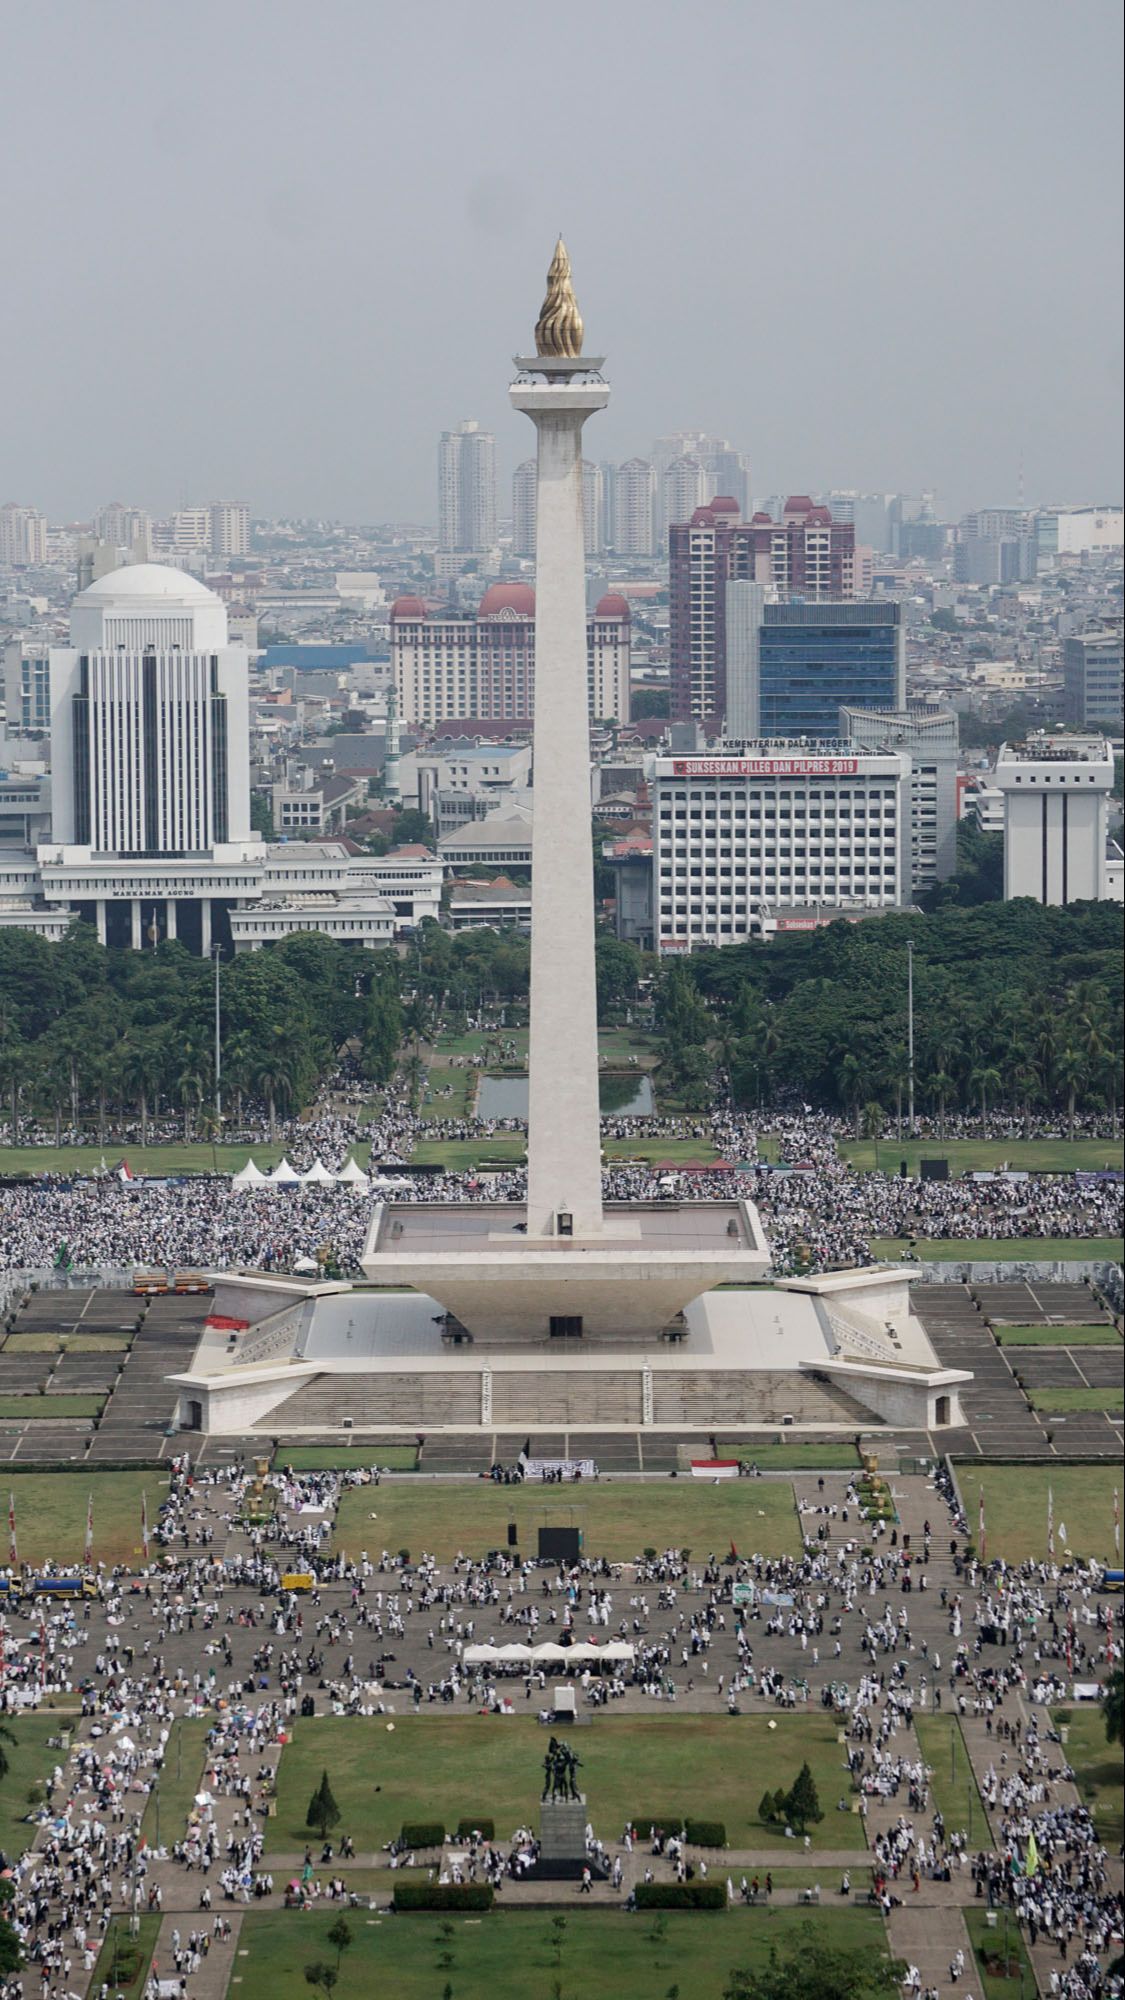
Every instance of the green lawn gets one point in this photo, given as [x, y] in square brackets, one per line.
[1099, 1768]
[1015, 1504]
[510, 1955]
[385, 1771]
[1100, 1334]
[1076, 1399]
[457, 1155]
[981, 1155]
[52, 1409]
[617, 1520]
[124, 1962]
[66, 1343]
[29, 1763]
[953, 1788]
[166, 1812]
[1002, 1250]
[1003, 1940]
[333, 1457]
[51, 1513]
[797, 1457]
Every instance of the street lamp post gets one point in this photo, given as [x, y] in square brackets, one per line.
[910, 1031]
[217, 955]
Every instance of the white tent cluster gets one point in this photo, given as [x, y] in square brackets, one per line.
[318, 1175]
[615, 1651]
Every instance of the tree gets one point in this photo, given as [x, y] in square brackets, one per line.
[322, 1975]
[812, 1968]
[1113, 1707]
[323, 1812]
[340, 1937]
[986, 1083]
[803, 1802]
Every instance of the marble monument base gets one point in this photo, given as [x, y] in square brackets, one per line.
[562, 1842]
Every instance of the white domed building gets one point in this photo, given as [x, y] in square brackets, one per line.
[150, 793]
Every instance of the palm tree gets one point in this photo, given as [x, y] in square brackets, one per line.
[986, 1082]
[849, 1083]
[873, 1120]
[13, 1067]
[142, 1072]
[189, 1089]
[1071, 1073]
[273, 1077]
[1025, 1083]
[894, 1071]
[941, 1086]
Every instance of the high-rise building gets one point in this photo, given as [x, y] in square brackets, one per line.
[23, 536]
[467, 490]
[634, 508]
[1070, 531]
[685, 485]
[804, 555]
[482, 668]
[743, 844]
[1092, 678]
[523, 508]
[1056, 791]
[930, 738]
[124, 528]
[191, 531]
[229, 531]
[791, 675]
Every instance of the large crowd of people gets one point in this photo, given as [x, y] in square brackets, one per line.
[879, 1636]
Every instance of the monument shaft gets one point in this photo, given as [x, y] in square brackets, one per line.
[564, 1134]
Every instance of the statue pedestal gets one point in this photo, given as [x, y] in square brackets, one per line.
[562, 1839]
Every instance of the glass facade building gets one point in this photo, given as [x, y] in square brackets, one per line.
[814, 659]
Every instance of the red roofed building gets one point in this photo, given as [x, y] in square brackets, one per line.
[449, 667]
[806, 554]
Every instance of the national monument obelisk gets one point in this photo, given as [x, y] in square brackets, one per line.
[558, 389]
[562, 1268]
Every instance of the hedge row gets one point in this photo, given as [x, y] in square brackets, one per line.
[467, 1827]
[422, 1833]
[680, 1896]
[697, 1832]
[443, 1896]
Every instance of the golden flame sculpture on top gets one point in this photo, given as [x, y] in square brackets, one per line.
[558, 330]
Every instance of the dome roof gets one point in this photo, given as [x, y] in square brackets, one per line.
[798, 503]
[508, 597]
[148, 580]
[760, 519]
[724, 504]
[408, 607]
[612, 605]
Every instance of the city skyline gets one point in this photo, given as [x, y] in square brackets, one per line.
[958, 356]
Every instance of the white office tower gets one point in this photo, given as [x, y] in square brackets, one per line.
[685, 486]
[634, 508]
[23, 536]
[467, 490]
[124, 527]
[1056, 790]
[150, 749]
[229, 528]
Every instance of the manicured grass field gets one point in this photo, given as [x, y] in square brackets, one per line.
[458, 1155]
[1101, 1334]
[953, 1788]
[1099, 1768]
[170, 1800]
[440, 1766]
[52, 1409]
[1076, 1399]
[339, 1457]
[124, 1962]
[1015, 1505]
[1002, 1250]
[988, 1155]
[73, 1343]
[617, 1520]
[29, 1763]
[510, 1955]
[1003, 1940]
[51, 1513]
[797, 1457]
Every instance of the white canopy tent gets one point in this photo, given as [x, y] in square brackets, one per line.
[284, 1172]
[615, 1652]
[352, 1176]
[318, 1176]
[250, 1176]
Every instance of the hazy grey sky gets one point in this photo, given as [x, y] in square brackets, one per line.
[270, 250]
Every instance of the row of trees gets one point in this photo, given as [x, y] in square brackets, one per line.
[1014, 1006]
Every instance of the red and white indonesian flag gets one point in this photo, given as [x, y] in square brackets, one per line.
[714, 1468]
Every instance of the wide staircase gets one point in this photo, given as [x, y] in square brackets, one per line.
[720, 1397]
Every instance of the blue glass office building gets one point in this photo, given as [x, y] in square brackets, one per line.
[814, 659]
